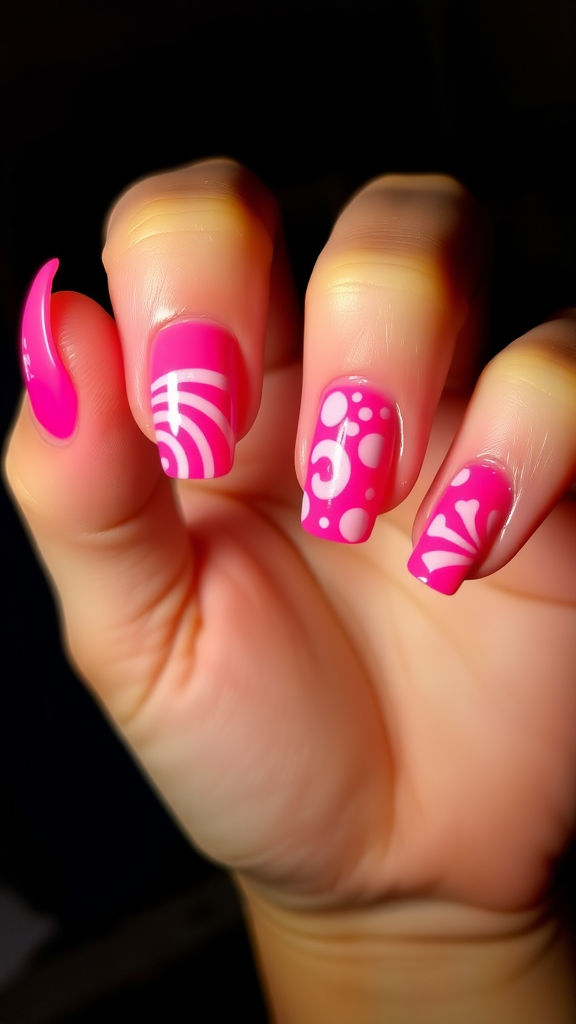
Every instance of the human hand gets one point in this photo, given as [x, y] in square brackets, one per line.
[336, 733]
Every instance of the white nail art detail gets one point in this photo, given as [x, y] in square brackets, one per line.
[441, 559]
[370, 450]
[491, 520]
[341, 469]
[351, 457]
[194, 404]
[486, 503]
[174, 397]
[177, 397]
[353, 524]
[461, 478]
[467, 511]
[334, 409]
[438, 528]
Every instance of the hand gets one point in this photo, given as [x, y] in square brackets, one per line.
[333, 730]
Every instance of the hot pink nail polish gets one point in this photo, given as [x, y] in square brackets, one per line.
[350, 461]
[462, 527]
[52, 395]
[194, 383]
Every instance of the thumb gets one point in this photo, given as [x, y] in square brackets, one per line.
[100, 510]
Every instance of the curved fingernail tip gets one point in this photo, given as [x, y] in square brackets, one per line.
[350, 462]
[462, 527]
[194, 383]
[52, 394]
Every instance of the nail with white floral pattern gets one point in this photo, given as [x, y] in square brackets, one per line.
[462, 526]
[350, 460]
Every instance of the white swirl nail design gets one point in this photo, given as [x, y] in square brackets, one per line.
[194, 406]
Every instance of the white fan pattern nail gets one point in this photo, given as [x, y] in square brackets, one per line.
[464, 524]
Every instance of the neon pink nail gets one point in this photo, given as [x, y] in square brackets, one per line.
[52, 395]
[350, 461]
[462, 527]
[194, 382]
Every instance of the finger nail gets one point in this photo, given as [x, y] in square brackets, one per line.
[194, 383]
[462, 527]
[52, 396]
[350, 461]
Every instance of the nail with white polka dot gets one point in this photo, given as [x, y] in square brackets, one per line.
[351, 458]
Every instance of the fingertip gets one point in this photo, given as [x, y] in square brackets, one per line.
[102, 462]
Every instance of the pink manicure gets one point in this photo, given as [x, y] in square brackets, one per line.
[350, 461]
[462, 527]
[52, 395]
[194, 382]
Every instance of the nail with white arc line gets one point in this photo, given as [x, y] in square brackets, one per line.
[194, 391]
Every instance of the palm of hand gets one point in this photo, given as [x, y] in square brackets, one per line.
[327, 726]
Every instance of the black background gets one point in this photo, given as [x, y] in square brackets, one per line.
[315, 98]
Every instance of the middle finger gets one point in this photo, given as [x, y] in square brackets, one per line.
[391, 293]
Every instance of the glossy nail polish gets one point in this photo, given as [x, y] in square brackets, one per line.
[462, 527]
[52, 396]
[350, 461]
[194, 385]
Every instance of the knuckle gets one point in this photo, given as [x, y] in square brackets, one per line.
[366, 272]
[207, 198]
[537, 368]
[424, 234]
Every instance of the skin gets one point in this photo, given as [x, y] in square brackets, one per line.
[360, 751]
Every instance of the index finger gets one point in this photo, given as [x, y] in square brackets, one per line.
[189, 255]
